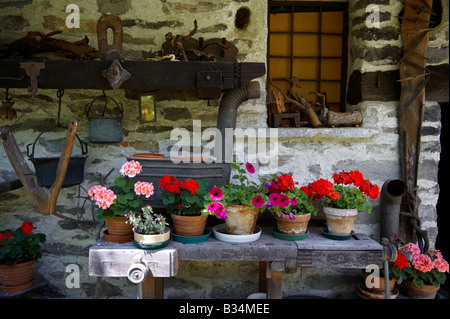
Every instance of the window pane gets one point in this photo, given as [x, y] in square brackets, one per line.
[331, 45]
[280, 22]
[330, 69]
[332, 22]
[306, 88]
[280, 44]
[332, 90]
[280, 68]
[306, 21]
[306, 45]
[305, 68]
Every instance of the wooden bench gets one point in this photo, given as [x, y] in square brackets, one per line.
[108, 259]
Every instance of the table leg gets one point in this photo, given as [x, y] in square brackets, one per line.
[153, 288]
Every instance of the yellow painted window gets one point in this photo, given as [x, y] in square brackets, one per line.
[309, 41]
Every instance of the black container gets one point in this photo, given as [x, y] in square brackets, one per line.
[154, 168]
[46, 167]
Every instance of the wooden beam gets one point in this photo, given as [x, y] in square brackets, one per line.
[145, 75]
[385, 86]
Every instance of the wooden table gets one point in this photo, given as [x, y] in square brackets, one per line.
[274, 255]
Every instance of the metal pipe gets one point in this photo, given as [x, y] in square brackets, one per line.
[228, 107]
[390, 200]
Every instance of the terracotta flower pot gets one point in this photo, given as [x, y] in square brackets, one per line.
[241, 219]
[340, 221]
[377, 283]
[18, 277]
[297, 226]
[189, 225]
[117, 226]
[424, 292]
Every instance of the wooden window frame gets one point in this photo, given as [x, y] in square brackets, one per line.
[314, 6]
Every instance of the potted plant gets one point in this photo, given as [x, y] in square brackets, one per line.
[150, 230]
[185, 201]
[425, 272]
[376, 284]
[237, 203]
[19, 252]
[343, 200]
[124, 197]
[291, 206]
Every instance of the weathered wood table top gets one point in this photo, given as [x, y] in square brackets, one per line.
[315, 251]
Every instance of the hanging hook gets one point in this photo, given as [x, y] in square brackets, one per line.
[59, 94]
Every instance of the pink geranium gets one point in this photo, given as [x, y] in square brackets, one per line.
[441, 265]
[131, 169]
[144, 188]
[102, 196]
[412, 248]
[422, 262]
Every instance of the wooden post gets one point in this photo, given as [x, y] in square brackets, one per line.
[153, 288]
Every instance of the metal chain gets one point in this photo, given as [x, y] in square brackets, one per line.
[33, 102]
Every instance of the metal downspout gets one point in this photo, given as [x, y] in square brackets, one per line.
[226, 118]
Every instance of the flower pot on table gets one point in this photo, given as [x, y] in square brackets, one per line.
[340, 221]
[241, 219]
[189, 225]
[296, 226]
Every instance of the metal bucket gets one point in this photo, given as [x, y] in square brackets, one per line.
[105, 128]
[46, 167]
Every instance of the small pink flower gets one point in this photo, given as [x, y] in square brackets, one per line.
[412, 248]
[257, 201]
[250, 168]
[274, 198]
[291, 216]
[131, 169]
[144, 188]
[283, 201]
[441, 264]
[212, 207]
[220, 211]
[216, 193]
[294, 201]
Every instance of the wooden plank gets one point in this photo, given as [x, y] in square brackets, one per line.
[266, 248]
[385, 86]
[108, 259]
[145, 75]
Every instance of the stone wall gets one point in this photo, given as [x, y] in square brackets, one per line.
[304, 152]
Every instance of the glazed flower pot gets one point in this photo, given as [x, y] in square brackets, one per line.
[340, 221]
[118, 230]
[424, 292]
[241, 219]
[150, 242]
[18, 277]
[189, 225]
[297, 226]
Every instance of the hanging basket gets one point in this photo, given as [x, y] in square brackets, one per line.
[46, 166]
[105, 128]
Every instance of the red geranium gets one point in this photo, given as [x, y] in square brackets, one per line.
[27, 227]
[348, 192]
[183, 198]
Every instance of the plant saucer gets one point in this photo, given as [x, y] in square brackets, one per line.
[279, 235]
[191, 239]
[220, 232]
[334, 236]
[150, 246]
